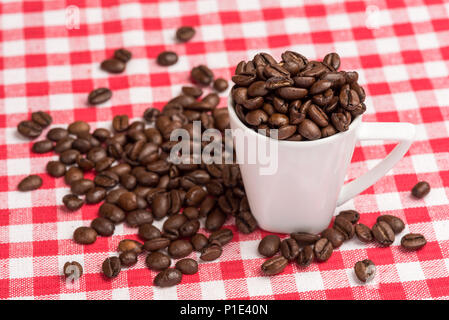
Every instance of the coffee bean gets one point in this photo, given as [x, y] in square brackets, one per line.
[365, 270]
[187, 266]
[309, 130]
[323, 249]
[128, 258]
[156, 244]
[223, 236]
[363, 233]
[421, 189]
[304, 238]
[167, 58]
[274, 265]
[211, 252]
[189, 228]
[95, 195]
[202, 75]
[413, 241]
[139, 217]
[383, 233]
[32, 182]
[104, 227]
[199, 242]
[148, 231]
[42, 118]
[113, 65]
[158, 261]
[220, 84]
[334, 236]
[396, 224]
[245, 222]
[122, 55]
[57, 134]
[180, 249]
[82, 186]
[127, 201]
[195, 92]
[351, 215]
[112, 212]
[120, 123]
[344, 226]
[78, 128]
[289, 249]
[305, 256]
[72, 202]
[333, 60]
[185, 33]
[72, 270]
[107, 179]
[269, 245]
[55, 169]
[168, 278]
[99, 95]
[85, 235]
[72, 175]
[42, 146]
[111, 267]
[29, 129]
[63, 144]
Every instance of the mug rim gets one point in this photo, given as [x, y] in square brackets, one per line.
[353, 126]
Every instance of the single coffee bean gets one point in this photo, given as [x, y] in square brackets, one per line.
[289, 249]
[128, 201]
[95, 195]
[113, 65]
[309, 130]
[78, 128]
[158, 261]
[41, 118]
[99, 95]
[112, 212]
[29, 129]
[168, 278]
[148, 232]
[42, 146]
[363, 233]
[365, 270]
[69, 156]
[156, 244]
[128, 258]
[72, 202]
[202, 75]
[85, 235]
[274, 265]
[323, 249]
[55, 169]
[32, 182]
[269, 245]
[334, 236]
[413, 241]
[195, 92]
[199, 242]
[72, 270]
[304, 238]
[187, 266]
[104, 227]
[138, 217]
[383, 233]
[180, 249]
[72, 175]
[130, 245]
[189, 228]
[223, 236]
[396, 224]
[220, 84]
[211, 252]
[345, 227]
[245, 222]
[120, 123]
[122, 55]
[305, 256]
[63, 144]
[185, 33]
[333, 60]
[351, 215]
[111, 267]
[167, 58]
[107, 179]
[421, 189]
[57, 134]
[82, 186]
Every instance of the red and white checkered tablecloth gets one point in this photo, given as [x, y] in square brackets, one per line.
[400, 49]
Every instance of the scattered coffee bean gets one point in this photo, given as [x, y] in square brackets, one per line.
[289, 249]
[202, 75]
[85, 235]
[421, 189]
[211, 252]
[111, 267]
[99, 95]
[305, 256]
[30, 183]
[128, 258]
[365, 270]
[180, 249]
[383, 233]
[199, 242]
[304, 238]
[57, 134]
[122, 55]
[223, 236]
[344, 226]
[148, 232]
[187, 266]
[158, 261]
[363, 233]
[42, 146]
[156, 244]
[323, 249]
[413, 241]
[72, 175]
[269, 245]
[130, 245]
[334, 236]
[396, 224]
[168, 278]
[72, 270]
[167, 58]
[41, 118]
[29, 129]
[72, 202]
[104, 227]
[185, 33]
[274, 265]
[220, 84]
[113, 65]
[351, 215]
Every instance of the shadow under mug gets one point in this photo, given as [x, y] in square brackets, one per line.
[301, 195]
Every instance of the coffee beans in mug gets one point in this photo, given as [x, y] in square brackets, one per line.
[99, 95]
[168, 278]
[421, 189]
[413, 241]
[274, 265]
[111, 267]
[30, 183]
[185, 33]
[85, 235]
[72, 270]
[365, 270]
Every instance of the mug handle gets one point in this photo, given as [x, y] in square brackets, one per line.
[402, 132]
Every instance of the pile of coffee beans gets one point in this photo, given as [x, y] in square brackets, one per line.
[304, 248]
[302, 99]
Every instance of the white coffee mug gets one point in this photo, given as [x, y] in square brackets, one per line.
[302, 194]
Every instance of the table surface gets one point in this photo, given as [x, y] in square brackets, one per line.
[399, 48]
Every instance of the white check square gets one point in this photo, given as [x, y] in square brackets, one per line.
[296, 25]
[410, 271]
[130, 11]
[57, 45]
[13, 48]
[18, 199]
[213, 290]
[14, 76]
[309, 281]
[169, 9]
[259, 286]
[339, 21]
[405, 101]
[254, 29]
[395, 73]
[387, 45]
[388, 201]
[424, 163]
[21, 267]
[212, 32]
[57, 17]
[436, 69]
[418, 14]
[21, 233]
[59, 73]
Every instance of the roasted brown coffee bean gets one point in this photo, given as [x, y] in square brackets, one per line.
[158, 261]
[29, 129]
[113, 65]
[220, 84]
[42, 118]
[274, 265]
[57, 134]
[95, 195]
[106, 179]
[304, 238]
[78, 128]
[85, 235]
[383, 233]
[128, 258]
[99, 95]
[69, 156]
[191, 213]
[223, 236]
[122, 55]
[333, 60]
[245, 222]
[195, 195]
[113, 195]
[309, 130]
[55, 169]
[421, 189]
[72, 202]
[180, 249]
[96, 154]
[151, 114]
[199, 241]
[82, 145]
[340, 121]
[317, 115]
[185, 33]
[305, 256]
[111, 267]
[72, 270]
[187, 266]
[72, 175]
[328, 131]
[202, 75]
[215, 220]
[168, 278]
[211, 252]
[195, 92]
[323, 249]
[189, 228]
[112, 212]
[104, 227]
[351, 215]
[127, 201]
[42, 146]
[63, 144]
[120, 123]
[174, 222]
[269, 245]
[344, 226]
[167, 58]
[363, 233]
[304, 82]
[156, 244]
[32, 182]
[127, 245]
[138, 217]
[334, 236]
[365, 270]
[396, 224]
[413, 241]
[148, 232]
[319, 87]
[289, 249]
